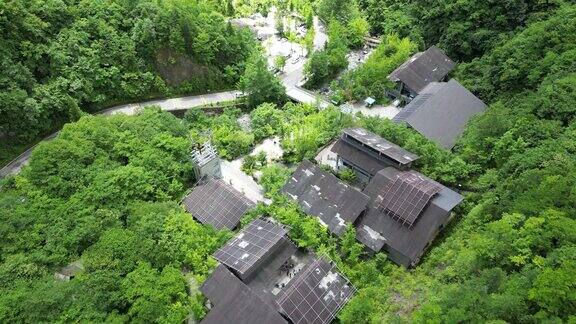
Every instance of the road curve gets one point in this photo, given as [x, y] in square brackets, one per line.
[290, 82]
[181, 103]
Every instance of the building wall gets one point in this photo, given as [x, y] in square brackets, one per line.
[209, 170]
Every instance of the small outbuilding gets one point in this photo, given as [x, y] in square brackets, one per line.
[70, 271]
[369, 102]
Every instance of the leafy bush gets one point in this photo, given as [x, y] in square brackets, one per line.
[347, 175]
[106, 191]
[370, 79]
[266, 121]
[273, 178]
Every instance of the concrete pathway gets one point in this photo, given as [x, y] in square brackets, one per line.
[166, 104]
[232, 174]
[272, 148]
[376, 111]
[327, 157]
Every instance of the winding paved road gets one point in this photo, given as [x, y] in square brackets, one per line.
[166, 104]
[290, 81]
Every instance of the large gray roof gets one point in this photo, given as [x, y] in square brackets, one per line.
[380, 145]
[422, 68]
[441, 112]
[220, 284]
[321, 194]
[217, 204]
[378, 229]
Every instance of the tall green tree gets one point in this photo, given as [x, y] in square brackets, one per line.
[259, 84]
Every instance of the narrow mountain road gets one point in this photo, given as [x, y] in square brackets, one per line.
[290, 81]
[173, 104]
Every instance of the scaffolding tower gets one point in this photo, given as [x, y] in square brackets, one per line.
[206, 163]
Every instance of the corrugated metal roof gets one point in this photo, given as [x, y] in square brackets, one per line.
[441, 112]
[251, 246]
[377, 229]
[317, 295]
[422, 68]
[380, 145]
[217, 204]
[321, 194]
[235, 302]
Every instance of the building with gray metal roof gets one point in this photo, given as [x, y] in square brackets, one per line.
[245, 252]
[217, 203]
[234, 302]
[263, 275]
[406, 212]
[316, 295]
[367, 153]
[421, 69]
[441, 111]
[321, 194]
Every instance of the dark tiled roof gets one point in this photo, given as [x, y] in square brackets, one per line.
[264, 280]
[251, 247]
[422, 68]
[321, 194]
[236, 302]
[316, 295]
[377, 229]
[358, 158]
[220, 284]
[441, 112]
[217, 204]
[379, 145]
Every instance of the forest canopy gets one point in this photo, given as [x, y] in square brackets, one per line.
[62, 58]
[107, 190]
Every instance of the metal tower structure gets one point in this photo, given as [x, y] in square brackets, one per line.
[206, 163]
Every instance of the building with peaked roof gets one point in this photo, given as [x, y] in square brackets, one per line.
[234, 302]
[69, 271]
[321, 194]
[406, 212]
[217, 203]
[441, 111]
[316, 295]
[262, 273]
[367, 153]
[421, 69]
[245, 253]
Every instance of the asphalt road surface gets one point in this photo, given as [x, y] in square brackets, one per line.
[166, 104]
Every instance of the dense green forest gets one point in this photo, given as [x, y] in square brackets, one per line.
[107, 190]
[62, 58]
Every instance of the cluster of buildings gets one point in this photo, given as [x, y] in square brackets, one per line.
[436, 107]
[393, 208]
[262, 276]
